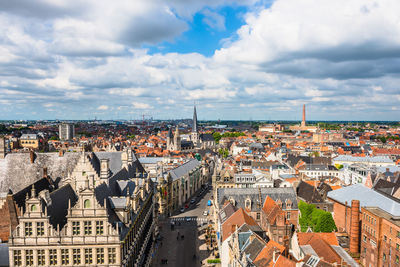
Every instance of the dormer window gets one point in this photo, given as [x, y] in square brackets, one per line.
[248, 204]
[288, 204]
[86, 204]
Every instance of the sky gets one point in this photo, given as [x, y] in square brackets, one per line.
[234, 59]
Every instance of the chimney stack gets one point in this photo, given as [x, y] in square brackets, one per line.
[303, 121]
[2, 148]
[45, 172]
[355, 226]
[32, 156]
[104, 169]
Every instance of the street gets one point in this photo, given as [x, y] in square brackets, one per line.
[177, 250]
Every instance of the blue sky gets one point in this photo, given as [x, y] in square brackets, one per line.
[236, 59]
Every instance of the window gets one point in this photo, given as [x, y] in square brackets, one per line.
[397, 259]
[53, 256]
[288, 215]
[28, 229]
[41, 257]
[385, 238]
[99, 227]
[86, 204]
[398, 234]
[111, 255]
[17, 258]
[88, 227]
[384, 257]
[40, 228]
[100, 255]
[76, 228]
[33, 208]
[64, 256]
[397, 247]
[88, 256]
[258, 215]
[29, 257]
[76, 256]
[365, 238]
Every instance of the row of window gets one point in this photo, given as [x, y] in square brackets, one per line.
[28, 142]
[369, 219]
[76, 228]
[65, 256]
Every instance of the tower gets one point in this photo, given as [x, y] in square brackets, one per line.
[195, 133]
[177, 139]
[170, 138]
[303, 121]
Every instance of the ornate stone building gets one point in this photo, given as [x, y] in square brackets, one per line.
[197, 140]
[176, 186]
[103, 215]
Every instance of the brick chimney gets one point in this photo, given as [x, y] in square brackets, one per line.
[355, 226]
[32, 156]
[61, 153]
[45, 172]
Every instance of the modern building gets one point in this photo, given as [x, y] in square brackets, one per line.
[102, 215]
[66, 131]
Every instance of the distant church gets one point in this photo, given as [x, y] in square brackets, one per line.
[197, 141]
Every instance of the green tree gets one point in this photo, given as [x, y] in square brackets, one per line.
[325, 223]
[217, 136]
[223, 152]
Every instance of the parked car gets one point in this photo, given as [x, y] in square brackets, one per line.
[182, 210]
[192, 201]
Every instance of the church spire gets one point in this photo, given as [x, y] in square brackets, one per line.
[194, 128]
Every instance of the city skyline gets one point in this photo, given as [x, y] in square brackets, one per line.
[261, 60]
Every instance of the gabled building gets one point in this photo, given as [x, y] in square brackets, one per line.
[102, 216]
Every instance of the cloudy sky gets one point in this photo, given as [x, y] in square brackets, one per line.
[253, 59]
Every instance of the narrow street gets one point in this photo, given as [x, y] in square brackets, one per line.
[177, 250]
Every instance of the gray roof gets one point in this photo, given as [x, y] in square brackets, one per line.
[184, 169]
[150, 160]
[241, 194]
[29, 136]
[118, 202]
[307, 249]
[367, 197]
[17, 172]
[4, 254]
[344, 255]
[115, 159]
[381, 159]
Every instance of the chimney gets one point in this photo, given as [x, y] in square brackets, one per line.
[32, 156]
[355, 226]
[61, 153]
[303, 121]
[104, 169]
[45, 172]
[2, 148]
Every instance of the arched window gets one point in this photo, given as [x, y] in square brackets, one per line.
[33, 208]
[248, 204]
[86, 204]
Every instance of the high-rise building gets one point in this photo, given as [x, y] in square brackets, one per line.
[66, 131]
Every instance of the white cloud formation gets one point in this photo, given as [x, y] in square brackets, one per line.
[341, 57]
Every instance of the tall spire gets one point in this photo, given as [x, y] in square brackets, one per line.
[194, 128]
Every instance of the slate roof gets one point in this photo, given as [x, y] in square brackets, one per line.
[253, 248]
[241, 194]
[367, 197]
[308, 192]
[206, 137]
[184, 169]
[380, 159]
[58, 209]
[18, 165]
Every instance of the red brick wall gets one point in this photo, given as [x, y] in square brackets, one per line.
[342, 216]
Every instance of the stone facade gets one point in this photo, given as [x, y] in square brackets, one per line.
[100, 217]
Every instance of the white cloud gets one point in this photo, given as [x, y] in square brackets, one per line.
[139, 105]
[102, 107]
